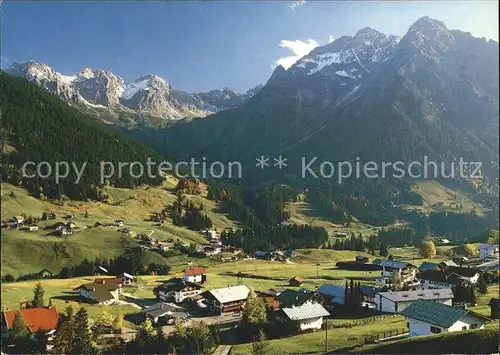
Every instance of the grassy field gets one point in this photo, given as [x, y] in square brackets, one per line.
[468, 342]
[218, 275]
[338, 339]
[433, 193]
[26, 252]
[304, 213]
[60, 291]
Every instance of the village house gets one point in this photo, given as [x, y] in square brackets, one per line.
[195, 274]
[177, 290]
[395, 302]
[31, 228]
[488, 251]
[45, 274]
[428, 317]
[369, 294]
[447, 278]
[211, 250]
[100, 292]
[42, 320]
[360, 259]
[391, 269]
[306, 316]
[340, 233]
[163, 313]
[447, 263]
[211, 234]
[18, 220]
[164, 246]
[227, 299]
[126, 279]
[296, 281]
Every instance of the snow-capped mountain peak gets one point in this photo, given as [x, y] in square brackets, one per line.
[149, 94]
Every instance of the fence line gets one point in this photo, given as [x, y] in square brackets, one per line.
[384, 335]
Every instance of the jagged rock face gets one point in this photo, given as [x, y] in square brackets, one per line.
[44, 76]
[149, 94]
[152, 94]
[99, 87]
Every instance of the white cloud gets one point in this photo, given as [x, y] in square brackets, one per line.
[299, 49]
[331, 39]
[296, 4]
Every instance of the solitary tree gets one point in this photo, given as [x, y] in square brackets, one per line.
[255, 310]
[118, 324]
[384, 251]
[428, 249]
[259, 346]
[83, 343]
[482, 285]
[38, 296]
[471, 250]
[19, 331]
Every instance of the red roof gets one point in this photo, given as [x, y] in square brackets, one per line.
[194, 271]
[116, 280]
[37, 319]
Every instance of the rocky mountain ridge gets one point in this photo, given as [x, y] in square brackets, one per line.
[104, 92]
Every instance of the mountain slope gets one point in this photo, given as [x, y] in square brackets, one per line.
[40, 127]
[148, 100]
[434, 92]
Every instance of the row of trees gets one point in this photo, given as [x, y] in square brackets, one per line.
[185, 213]
[275, 237]
[134, 261]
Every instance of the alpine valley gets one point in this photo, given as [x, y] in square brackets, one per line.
[369, 97]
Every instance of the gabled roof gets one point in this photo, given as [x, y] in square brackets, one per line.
[298, 279]
[192, 271]
[161, 309]
[177, 284]
[395, 264]
[98, 287]
[336, 292]
[428, 266]
[489, 265]
[400, 296]
[305, 311]
[436, 313]
[37, 319]
[462, 271]
[440, 276]
[448, 263]
[230, 294]
[291, 297]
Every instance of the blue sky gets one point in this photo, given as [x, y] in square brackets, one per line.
[198, 46]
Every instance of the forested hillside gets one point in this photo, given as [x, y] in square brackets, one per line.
[37, 126]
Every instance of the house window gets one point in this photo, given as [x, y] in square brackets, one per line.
[464, 327]
[473, 326]
[435, 330]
